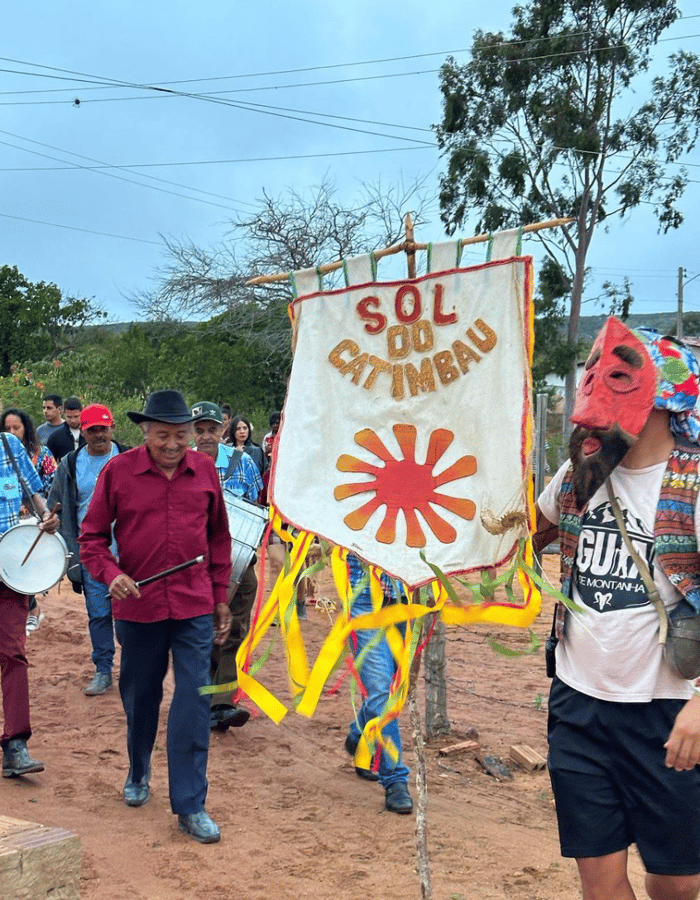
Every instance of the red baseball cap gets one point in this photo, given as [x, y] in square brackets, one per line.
[95, 414]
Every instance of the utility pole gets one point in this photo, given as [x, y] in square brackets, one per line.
[679, 315]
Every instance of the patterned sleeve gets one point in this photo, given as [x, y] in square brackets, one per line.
[46, 469]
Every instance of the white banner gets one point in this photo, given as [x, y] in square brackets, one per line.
[406, 424]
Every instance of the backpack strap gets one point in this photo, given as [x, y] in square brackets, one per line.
[652, 591]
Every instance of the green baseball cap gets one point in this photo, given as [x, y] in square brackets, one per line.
[209, 411]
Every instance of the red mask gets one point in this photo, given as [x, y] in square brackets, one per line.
[619, 383]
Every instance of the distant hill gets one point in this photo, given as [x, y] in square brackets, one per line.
[589, 326]
[110, 327]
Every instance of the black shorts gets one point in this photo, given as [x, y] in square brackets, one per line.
[612, 787]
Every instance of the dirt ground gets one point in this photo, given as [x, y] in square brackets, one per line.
[295, 820]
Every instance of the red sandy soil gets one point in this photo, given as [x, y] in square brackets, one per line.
[295, 820]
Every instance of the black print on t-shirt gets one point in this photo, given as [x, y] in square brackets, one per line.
[607, 576]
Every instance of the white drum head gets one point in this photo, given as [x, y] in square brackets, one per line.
[47, 564]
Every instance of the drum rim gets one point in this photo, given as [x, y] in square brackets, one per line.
[38, 590]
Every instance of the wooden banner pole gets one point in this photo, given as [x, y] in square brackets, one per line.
[408, 246]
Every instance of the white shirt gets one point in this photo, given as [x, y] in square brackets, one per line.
[611, 649]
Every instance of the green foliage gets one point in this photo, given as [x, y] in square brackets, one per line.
[122, 370]
[552, 353]
[212, 361]
[547, 92]
[532, 647]
[617, 298]
[25, 388]
[691, 324]
[555, 443]
[36, 321]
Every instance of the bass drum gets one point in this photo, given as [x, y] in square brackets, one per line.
[246, 522]
[46, 566]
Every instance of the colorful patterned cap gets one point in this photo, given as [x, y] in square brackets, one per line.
[678, 381]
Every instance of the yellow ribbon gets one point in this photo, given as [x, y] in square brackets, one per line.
[306, 685]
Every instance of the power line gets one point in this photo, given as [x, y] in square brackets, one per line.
[215, 162]
[326, 67]
[220, 77]
[161, 91]
[121, 237]
[211, 95]
[100, 171]
[265, 106]
[101, 83]
[278, 112]
[84, 78]
[282, 113]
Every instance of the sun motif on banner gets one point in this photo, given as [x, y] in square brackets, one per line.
[404, 485]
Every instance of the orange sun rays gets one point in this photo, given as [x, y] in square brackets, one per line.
[403, 485]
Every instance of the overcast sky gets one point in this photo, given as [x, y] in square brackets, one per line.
[354, 90]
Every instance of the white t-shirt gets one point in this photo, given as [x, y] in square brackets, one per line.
[611, 649]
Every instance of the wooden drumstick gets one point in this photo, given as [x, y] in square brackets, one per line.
[56, 508]
[185, 565]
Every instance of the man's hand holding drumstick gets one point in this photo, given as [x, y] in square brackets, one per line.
[123, 585]
[49, 520]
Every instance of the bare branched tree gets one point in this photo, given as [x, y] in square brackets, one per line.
[293, 231]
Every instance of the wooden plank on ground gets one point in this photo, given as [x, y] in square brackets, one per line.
[462, 747]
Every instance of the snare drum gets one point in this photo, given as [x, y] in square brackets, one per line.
[46, 566]
[246, 522]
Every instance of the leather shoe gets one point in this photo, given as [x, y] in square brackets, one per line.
[17, 761]
[398, 800]
[101, 682]
[136, 793]
[200, 826]
[223, 717]
[365, 774]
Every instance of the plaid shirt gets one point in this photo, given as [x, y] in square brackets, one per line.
[245, 480]
[10, 489]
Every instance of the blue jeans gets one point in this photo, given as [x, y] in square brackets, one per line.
[146, 649]
[100, 624]
[377, 670]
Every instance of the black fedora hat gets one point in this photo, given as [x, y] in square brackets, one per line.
[164, 406]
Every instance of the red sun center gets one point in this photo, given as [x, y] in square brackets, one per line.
[403, 485]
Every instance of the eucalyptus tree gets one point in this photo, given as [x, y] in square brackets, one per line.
[544, 122]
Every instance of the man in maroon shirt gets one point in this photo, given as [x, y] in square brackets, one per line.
[165, 505]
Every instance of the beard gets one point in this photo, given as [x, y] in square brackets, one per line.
[590, 471]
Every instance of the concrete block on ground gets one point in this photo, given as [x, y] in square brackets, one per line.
[38, 862]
